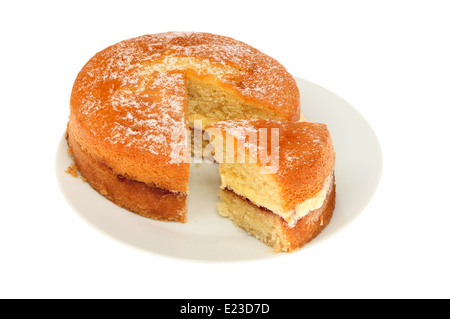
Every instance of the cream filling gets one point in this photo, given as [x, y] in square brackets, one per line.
[261, 191]
[290, 216]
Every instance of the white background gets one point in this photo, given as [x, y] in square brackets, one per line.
[389, 59]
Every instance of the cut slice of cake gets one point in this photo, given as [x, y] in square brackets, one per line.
[277, 178]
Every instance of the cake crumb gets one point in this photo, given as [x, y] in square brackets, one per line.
[72, 170]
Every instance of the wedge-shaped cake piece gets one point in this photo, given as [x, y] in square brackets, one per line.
[277, 178]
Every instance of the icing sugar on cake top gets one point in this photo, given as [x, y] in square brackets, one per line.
[131, 98]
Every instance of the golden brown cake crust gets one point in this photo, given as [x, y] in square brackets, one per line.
[135, 196]
[306, 154]
[129, 102]
[308, 227]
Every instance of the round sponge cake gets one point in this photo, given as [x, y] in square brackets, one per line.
[133, 104]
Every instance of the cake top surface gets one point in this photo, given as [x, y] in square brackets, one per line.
[299, 155]
[127, 77]
[132, 96]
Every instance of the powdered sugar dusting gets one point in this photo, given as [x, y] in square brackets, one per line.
[133, 94]
[300, 144]
[155, 125]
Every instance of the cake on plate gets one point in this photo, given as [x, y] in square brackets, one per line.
[277, 178]
[134, 105]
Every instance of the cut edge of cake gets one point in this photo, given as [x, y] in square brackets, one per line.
[258, 198]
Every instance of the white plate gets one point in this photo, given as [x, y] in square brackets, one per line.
[208, 236]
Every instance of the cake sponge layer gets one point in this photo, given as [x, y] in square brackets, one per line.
[271, 228]
[210, 102]
[282, 166]
[135, 196]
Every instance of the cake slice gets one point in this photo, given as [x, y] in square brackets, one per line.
[277, 178]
